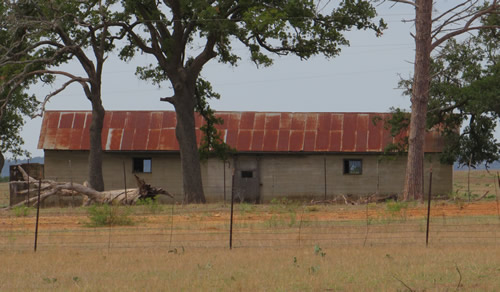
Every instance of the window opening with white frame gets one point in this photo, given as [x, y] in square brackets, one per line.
[142, 165]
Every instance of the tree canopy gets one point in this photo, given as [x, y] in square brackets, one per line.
[15, 103]
[432, 30]
[183, 35]
[464, 93]
[56, 32]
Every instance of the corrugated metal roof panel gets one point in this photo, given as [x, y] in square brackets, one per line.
[374, 135]
[247, 120]
[335, 141]
[362, 132]
[349, 132]
[245, 131]
[257, 140]
[153, 139]
[283, 140]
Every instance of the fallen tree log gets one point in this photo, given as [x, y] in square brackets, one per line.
[50, 188]
[357, 200]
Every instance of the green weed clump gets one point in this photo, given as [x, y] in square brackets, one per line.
[21, 211]
[151, 205]
[397, 209]
[393, 206]
[246, 208]
[106, 215]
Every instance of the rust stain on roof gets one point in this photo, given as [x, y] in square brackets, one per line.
[245, 131]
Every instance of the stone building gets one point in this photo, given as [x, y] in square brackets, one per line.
[292, 155]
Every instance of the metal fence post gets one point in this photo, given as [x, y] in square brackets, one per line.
[125, 181]
[71, 181]
[428, 209]
[232, 207]
[224, 167]
[37, 213]
[496, 195]
[324, 171]
[28, 193]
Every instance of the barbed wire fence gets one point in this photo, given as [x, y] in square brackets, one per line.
[281, 224]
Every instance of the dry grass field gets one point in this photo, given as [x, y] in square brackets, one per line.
[4, 194]
[481, 181]
[277, 247]
[268, 269]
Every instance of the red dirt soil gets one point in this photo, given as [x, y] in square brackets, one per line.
[318, 212]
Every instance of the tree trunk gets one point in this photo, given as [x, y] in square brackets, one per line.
[190, 158]
[414, 184]
[96, 180]
[2, 161]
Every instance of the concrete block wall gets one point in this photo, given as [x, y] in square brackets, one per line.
[284, 175]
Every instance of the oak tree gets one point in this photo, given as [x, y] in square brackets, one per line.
[15, 104]
[58, 32]
[183, 35]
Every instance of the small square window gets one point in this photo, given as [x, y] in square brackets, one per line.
[142, 165]
[353, 166]
[247, 174]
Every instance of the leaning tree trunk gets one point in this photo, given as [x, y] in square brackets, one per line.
[414, 183]
[190, 158]
[96, 180]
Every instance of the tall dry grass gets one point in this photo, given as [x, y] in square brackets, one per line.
[4, 194]
[300, 269]
[74, 257]
[481, 181]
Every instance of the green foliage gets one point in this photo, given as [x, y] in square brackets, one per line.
[397, 209]
[397, 123]
[266, 28]
[245, 208]
[393, 206]
[184, 35]
[16, 108]
[21, 211]
[314, 269]
[15, 103]
[293, 219]
[50, 280]
[276, 27]
[465, 93]
[211, 142]
[151, 205]
[106, 215]
[274, 222]
[319, 251]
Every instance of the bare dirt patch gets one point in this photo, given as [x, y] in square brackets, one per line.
[209, 219]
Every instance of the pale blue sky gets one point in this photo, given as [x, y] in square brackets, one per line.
[362, 79]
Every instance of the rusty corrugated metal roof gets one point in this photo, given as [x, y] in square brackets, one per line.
[245, 131]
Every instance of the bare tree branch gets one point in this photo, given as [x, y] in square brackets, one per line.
[54, 93]
[207, 54]
[412, 3]
[493, 8]
[453, 9]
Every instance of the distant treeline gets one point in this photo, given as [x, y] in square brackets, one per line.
[494, 165]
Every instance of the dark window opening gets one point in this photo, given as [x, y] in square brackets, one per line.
[246, 174]
[353, 166]
[142, 165]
